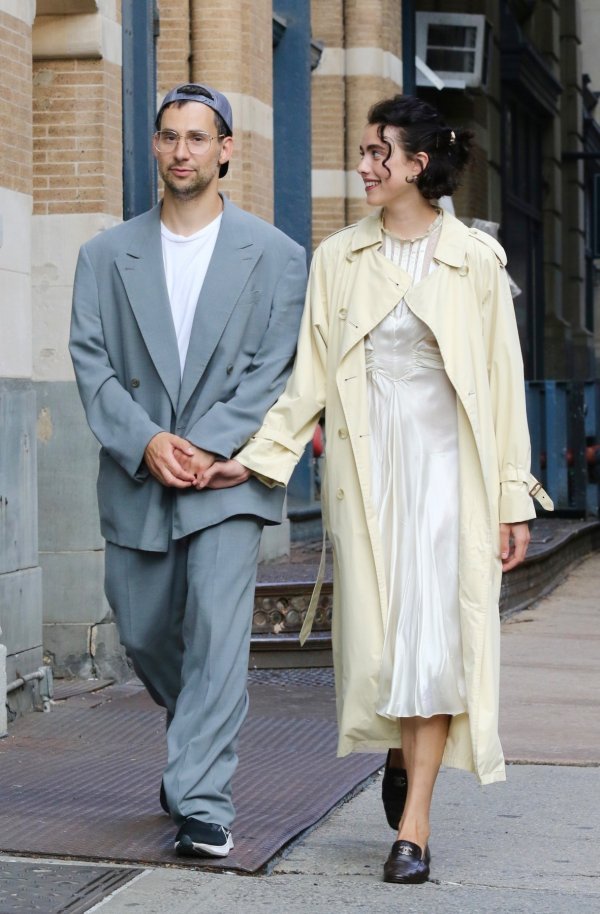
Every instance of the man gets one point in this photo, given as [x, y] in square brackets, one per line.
[183, 333]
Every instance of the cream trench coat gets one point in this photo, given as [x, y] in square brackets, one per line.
[467, 304]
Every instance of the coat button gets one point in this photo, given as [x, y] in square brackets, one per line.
[343, 313]
[342, 432]
[229, 369]
[339, 494]
[463, 270]
[135, 382]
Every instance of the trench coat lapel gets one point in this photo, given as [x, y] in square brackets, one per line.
[232, 262]
[380, 284]
[142, 272]
[373, 297]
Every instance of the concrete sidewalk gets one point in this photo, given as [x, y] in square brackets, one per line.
[530, 845]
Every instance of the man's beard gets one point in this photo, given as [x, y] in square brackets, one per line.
[196, 186]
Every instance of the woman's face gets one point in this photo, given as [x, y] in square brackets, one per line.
[383, 186]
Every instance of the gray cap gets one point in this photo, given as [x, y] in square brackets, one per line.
[194, 92]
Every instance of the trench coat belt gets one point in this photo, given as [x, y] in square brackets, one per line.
[537, 491]
[312, 606]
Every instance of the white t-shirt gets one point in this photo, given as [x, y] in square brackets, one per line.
[186, 259]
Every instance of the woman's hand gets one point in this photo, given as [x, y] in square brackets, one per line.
[223, 474]
[514, 540]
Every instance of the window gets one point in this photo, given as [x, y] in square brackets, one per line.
[455, 47]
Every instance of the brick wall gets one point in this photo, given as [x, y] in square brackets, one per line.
[328, 121]
[174, 47]
[15, 104]
[361, 65]
[370, 26]
[77, 144]
[232, 51]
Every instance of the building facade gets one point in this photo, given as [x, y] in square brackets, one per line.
[80, 81]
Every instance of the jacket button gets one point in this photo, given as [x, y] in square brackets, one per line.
[135, 382]
[229, 369]
[342, 432]
[343, 313]
[339, 494]
[463, 270]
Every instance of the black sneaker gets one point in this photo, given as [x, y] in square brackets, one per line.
[202, 839]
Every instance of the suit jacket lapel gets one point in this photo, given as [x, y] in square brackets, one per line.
[141, 269]
[233, 260]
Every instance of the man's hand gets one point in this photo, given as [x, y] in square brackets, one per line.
[223, 474]
[164, 457]
[514, 540]
[197, 462]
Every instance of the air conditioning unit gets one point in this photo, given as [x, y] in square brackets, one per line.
[455, 46]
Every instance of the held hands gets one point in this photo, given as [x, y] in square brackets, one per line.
[197, 463]
[514, 540]
[175, 462]
[223, 474]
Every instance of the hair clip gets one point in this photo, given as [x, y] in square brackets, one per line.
[452, 138]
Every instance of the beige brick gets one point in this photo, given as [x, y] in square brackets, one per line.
[15, 105]
[234, 53]
[327, 21]
[75, 127]
[173, 52]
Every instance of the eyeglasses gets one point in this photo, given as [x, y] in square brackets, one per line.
[197, 142]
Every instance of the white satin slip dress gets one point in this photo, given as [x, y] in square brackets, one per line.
[414, 456]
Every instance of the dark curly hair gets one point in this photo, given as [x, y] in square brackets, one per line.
[421, 128]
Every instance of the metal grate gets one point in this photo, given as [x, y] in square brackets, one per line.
[285, 678]
[82, 782]
[50, 888]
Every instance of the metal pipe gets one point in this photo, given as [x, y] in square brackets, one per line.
[23, 680]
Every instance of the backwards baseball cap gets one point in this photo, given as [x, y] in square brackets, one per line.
[194, 92]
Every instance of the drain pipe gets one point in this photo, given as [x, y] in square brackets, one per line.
[44, 677]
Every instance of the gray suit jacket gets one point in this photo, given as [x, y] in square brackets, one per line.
[126, 362]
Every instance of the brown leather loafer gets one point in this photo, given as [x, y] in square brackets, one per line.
[394, 788]
[407, 864]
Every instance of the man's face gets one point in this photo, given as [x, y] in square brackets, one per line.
[187, 175]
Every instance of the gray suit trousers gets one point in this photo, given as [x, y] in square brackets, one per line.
[185, 618]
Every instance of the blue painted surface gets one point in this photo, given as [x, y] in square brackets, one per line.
[139, 106]
[292, 155]
[536, 415]
[556, 442]
[564, 420]
[592, 435]
[292, 122]
[409, 48]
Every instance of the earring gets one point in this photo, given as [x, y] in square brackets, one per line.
[411, 179]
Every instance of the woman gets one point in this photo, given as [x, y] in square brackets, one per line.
[410, 344]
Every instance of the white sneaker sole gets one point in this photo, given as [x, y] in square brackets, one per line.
[207, 850]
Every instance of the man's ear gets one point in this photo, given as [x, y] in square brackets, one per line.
[226, 150]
